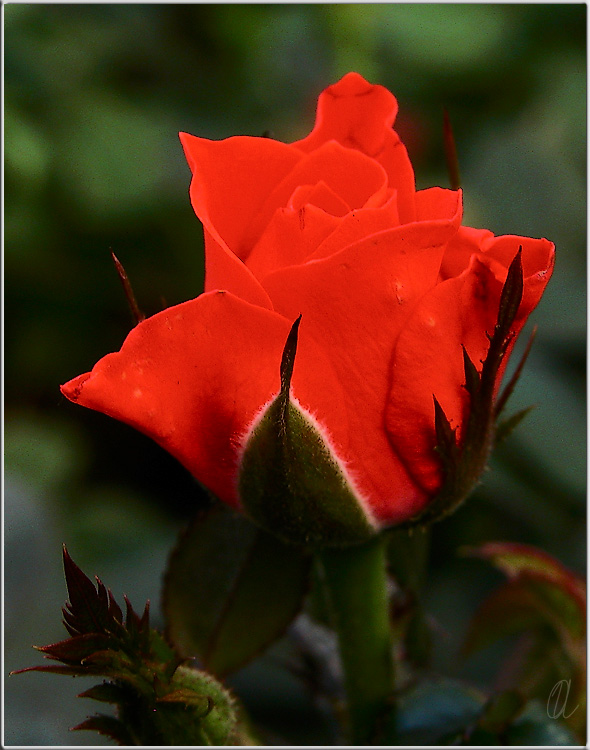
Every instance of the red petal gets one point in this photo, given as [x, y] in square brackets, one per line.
[353, 177]
[437, 203]
[290, 238]
[359, 115]
[353, 112]
[464, 244]
[428, 359]
[321, 196]
[194, 377]
[355, 303]
[224, 270]
[395, 160]
[538, 258]
[293, 237]
[358, 225]
[232, 180]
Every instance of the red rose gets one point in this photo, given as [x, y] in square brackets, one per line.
[390, 288]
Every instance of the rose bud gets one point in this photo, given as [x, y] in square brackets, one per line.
[367, 420]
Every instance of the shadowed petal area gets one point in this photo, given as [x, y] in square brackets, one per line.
[458, 254]
[224, 270]
[356, 303]
[360, 115]
[428, 361]
[319, 195]
[195, 376]
[428, 357]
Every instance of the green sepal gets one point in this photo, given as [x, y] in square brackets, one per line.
[108, 692]
[289, 481]
[511, 296]
[230, 590]
[446, 443]
[108, 726]
[195, 708]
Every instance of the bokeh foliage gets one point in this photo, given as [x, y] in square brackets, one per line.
[94, 98]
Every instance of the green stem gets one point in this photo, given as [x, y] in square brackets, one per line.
[356, 583]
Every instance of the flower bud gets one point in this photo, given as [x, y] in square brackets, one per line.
[290, 481]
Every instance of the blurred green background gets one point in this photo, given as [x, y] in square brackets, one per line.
[94, 98]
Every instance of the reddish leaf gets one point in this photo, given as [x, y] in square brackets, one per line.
[563, 591]
[547, 601]
[509, 610]
[76, 649]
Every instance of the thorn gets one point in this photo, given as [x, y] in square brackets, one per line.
[135, 311]
[451, 152]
